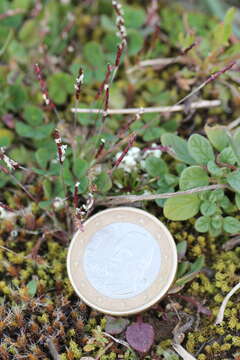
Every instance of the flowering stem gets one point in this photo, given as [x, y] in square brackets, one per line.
[211, 78]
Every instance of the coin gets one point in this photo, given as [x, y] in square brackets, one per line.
[123, 262]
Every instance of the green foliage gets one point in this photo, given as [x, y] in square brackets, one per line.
[182, 207]
[217, 167]
[200, 149]
[179, 145]
[192, 177]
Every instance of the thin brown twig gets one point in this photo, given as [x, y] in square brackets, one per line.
[158, 109]
[233, 124]
[210, 78]
[158, 62]
[127, 199]
[230, 244]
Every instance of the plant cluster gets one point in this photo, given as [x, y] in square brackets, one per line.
[203, 161]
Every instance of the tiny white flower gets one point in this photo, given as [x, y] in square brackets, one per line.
[130, 161]
[58, 203]
[157, 153]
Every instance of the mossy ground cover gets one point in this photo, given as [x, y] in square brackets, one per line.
[39, 312]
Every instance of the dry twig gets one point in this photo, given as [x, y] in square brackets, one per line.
[182, 352]
[157, 63]
[220, 314]
[128, 199]
[159, 109]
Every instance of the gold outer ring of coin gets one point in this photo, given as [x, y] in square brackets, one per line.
[147, 298]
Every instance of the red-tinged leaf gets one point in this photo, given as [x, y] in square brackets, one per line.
[115, 326]
[140, 336]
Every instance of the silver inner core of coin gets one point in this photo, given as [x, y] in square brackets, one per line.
[122, 260]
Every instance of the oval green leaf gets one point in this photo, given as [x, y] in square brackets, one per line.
[181, 207]
[193, 176]
[200, 149]
[179, 146]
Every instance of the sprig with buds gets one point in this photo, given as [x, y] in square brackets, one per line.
[120, 22]
[125, 151]
[61, 149]
[78, 83]
[11, 164]
[100, 148]
[105, 84]
[81, 213]
[43, 86]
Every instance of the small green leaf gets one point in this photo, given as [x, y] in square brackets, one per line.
[197, 265]
[202, 224]
[21, 155]
[237, 200]
[195, 268]
[24, 130]
[37, 133]
[43, 156]
[6, 137]
[115, 326]
[29, 32]
[228, 23]
[208, 208]
[80, 167]
[214, 169]
[226, 204]
[134, 17]
[217, 136]
[67, 174]
[200, 149]
[17, 97]
[135, 42]
[216, 222]
[47, 188]
[181, 207]
[93, 47]
[179, 146]
[103, 182]
[182, 268]
[233, 180]
[170, 179]
[235, 144]
[33, 115]
[152, 133]
[216, 195]
[155, 166]
[228, 156]
[181, 249]
[32, 287]
[60, 86]
[231, 225]
[193, 176]
[82, 188]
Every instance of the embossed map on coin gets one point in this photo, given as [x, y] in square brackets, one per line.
[122, 260]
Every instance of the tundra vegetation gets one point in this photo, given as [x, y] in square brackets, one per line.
[107, 103]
